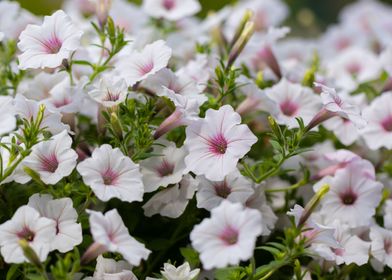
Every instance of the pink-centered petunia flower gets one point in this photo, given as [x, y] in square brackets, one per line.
[165, 169]
[26, 224]
[378, 132]
[228, 237]
[171, 9]
[111, 235]
[139, 65]
[111, 174]
[293, 101]
[353, 196]
[234, 188]
[49, 44]
[52, 160]
[61, 211]
[216, 143]
[109, 91]
[381, 246]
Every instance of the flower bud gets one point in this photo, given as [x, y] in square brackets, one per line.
[116, 125]
[102, 11]
[238, 47]
[29, 253]
[312, 204]
[247, 16]
[92, 252]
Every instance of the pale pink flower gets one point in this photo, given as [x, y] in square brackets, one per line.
[228, 237]
[165, 169]
[381, 247]
[111, 174]
[61, 211]
[49, 44]
[171, 9]
[294, 101]
[171, 202]
[26, 224]
[110, 233]
[378, 132]
[353, 196]
[197, 70]
[216, 143]
[140, 65]
[234, 188]
[52, 160]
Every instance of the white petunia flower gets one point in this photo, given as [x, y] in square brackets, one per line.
[140, 65]
[61, 211]
[171, 9]
[234, 188]
[293, 101]
[165, 169]
[183, 272]
[49, 44]
[109, 269]
[353, 196]
[111, 174]
[216, 143]
[110, 92]
[26, 224]
[171, 202]
[52, 160]
[381, 247]
[378, 132]
[228, 237]
[110, 232]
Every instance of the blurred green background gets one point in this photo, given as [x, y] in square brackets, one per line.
[309, 16]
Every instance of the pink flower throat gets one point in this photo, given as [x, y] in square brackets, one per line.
[218, 144]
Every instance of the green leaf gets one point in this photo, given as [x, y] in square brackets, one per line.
[230, 273]
[191, 256]
[11, 272]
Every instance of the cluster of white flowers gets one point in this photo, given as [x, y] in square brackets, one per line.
[153, 117]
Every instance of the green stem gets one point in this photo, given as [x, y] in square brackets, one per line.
[290, 188]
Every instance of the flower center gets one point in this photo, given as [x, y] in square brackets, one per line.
[354, 68]
[52, 45]
[49, 163]
[288, 108]
[165, 168]
[110, 96]
[229, 236]
[218, 144]
[222, 189]
[168, 4]
[387, 123]
[348, 198]
[146, 68]
[109, 177]
[26, 234]
[388, 246]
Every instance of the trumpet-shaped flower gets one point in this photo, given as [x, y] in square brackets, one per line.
[110, 232]
[111, 174]
[216, 143]
[26, 224]
[52, 160]
[68, 231]
[49, 44]
[140, 65]
[110, 92]
[228, 237]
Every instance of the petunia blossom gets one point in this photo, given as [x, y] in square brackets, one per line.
[49, 44]
[171, 9]
[216, 143]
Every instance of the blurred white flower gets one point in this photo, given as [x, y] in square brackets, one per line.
[183, 272]
[109, 269]
[381, 246]
[109, 92]
[171, 9]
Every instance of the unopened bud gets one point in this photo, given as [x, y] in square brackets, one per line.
[92, 252]
[102, 11]
[116, 125]
[34, 175]
[247, 16]
[29, 253]
[312, 204]
[238, 47]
